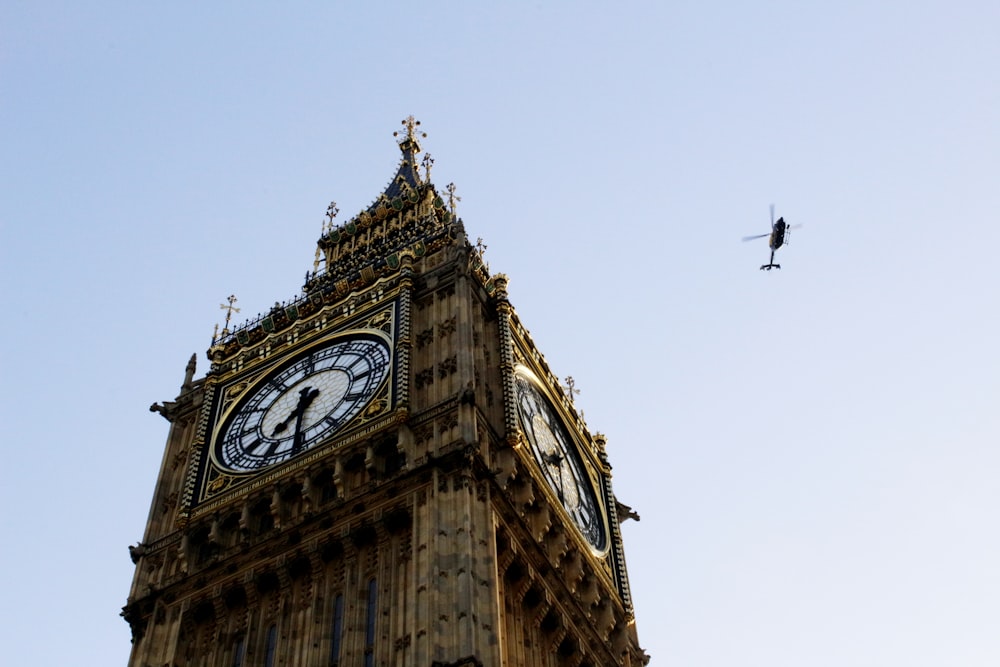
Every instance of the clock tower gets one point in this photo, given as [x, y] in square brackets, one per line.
[383, 471]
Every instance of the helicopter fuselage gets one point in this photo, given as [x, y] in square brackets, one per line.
[777, 234]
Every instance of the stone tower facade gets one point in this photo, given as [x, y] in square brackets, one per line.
[382, 472]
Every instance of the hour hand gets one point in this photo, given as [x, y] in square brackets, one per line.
[552, 459]
[281, 426]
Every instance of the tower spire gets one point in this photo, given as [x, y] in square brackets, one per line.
[411, 142]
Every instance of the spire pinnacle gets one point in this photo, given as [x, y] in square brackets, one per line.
[411, 142]
[427, 163]
[331, 213]
[453, 199]
[230, 309]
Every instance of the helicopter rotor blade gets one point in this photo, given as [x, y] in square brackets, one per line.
[772, 215]
[794, 226]
[758, 236]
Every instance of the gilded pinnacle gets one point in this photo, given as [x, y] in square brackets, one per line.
[230, 308]
[427, 163]
[570, 387]
[452, 197]
[411, 124]
[331, 213]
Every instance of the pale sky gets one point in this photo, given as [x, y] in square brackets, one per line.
[813, 451]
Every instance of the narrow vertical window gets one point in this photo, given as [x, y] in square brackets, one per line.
[270, 645]
[338, 630]
[238, 652]
[370, 626]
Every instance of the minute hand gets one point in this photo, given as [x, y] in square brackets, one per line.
[306, 397]
[556, 460]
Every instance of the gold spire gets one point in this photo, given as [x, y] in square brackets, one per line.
[570, 387]
[230, 308]
[331, 213]
[411, 124]
[427, 163]
[452, 197]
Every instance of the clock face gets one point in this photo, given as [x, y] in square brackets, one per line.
[302, 403]
[560, 463]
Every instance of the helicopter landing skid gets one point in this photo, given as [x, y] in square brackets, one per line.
[770, 266]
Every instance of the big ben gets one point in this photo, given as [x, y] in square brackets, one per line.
[383, 471]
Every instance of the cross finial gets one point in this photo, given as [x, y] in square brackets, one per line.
[570, 387]
[411, 124]
[427, 162]
[480, 251]
[331, 213]
[452, 197]
[230, 308]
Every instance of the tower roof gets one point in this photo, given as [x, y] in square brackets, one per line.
[407, 177]
[408, 217]
[405, 217]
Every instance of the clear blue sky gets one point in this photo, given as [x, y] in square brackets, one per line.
[813, 451]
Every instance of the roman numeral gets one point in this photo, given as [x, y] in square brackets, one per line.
[357, 360]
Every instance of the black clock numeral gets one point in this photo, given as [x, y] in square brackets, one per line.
[272, 448]
[357, 360]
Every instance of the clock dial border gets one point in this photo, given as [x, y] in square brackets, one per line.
[210, 483]
[548, 425]
[250, 436]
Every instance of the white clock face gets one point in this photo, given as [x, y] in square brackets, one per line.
[303, 403]
[559, 461]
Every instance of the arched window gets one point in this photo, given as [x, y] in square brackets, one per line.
[370, 625]
[327, 491]
[238, 650]
[269, 645]
[338, 630]
[261, 520]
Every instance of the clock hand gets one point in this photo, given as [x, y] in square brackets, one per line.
[562, 491]
[306, 397]
[556, 460]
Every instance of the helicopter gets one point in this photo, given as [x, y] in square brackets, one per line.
[779, 232]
